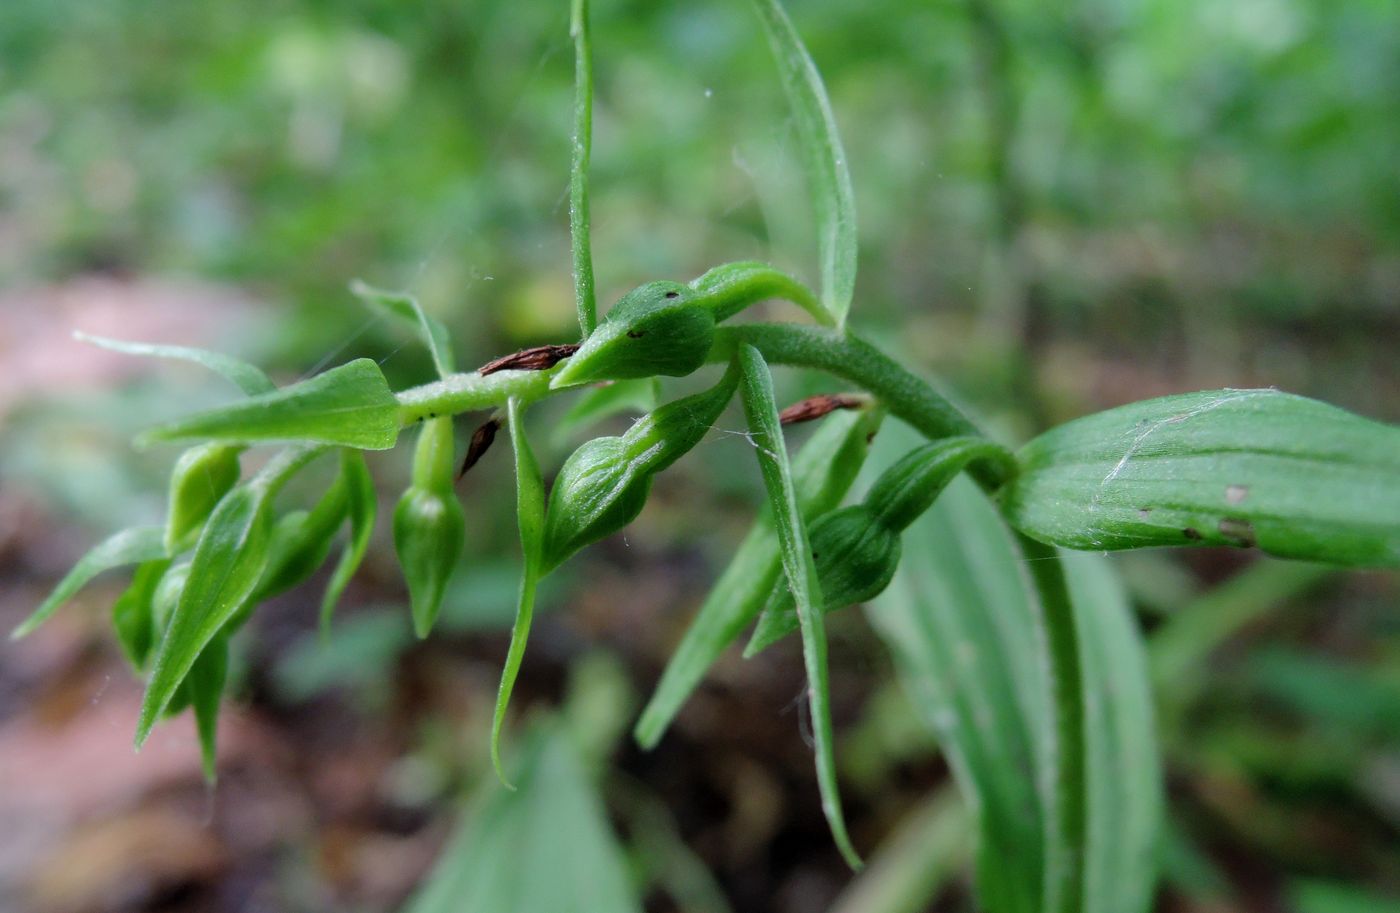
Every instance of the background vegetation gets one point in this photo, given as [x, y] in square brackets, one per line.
[1062, 209]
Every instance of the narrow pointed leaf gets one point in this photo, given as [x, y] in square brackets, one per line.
[405, 307]
[822, 472]
[529, 509]
[756, 394]
[130, 546]
[350, 406]
[544, 847]
[363, 507]
[228, 563]
[206, 688]
[823, 159]
[1293, 476]
[248, 378]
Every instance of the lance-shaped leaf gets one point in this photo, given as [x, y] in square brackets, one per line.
[248, 378]
[430, 526]
[206, 690]
[130, 546]
[350, 406]
[544, 847]
[961, 620]
[133, 614]
[822, 472]
[761, 410]
[529, 511]
[857, 549]
[202, 475]
[363, 506]
[405, 307]
[823, 159]
[1293, 476]
[228, 563]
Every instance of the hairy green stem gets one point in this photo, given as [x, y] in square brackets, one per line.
[1067, 804]
[585, 298]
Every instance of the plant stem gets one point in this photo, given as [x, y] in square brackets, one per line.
[585, 298]
[1066, 807]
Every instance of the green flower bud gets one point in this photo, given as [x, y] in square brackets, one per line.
[300, 543]
[604, 483]
[429, 525]
[667, 328]
[909, 487]
[133, 614]
[201, 476]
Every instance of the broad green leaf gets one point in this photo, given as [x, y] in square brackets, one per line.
[202, 475]
[529, 510]
[130, 546]
[363, 507]
[228, 563]
[206, 689]
[961, 620]
[822, 472]
[1293, 476]
[133, 614]
[349, 406]
[248, 378]
[605, 401]
[585, 299]
[823, 159]
[406, 308]
[544, 847]
[761, 410]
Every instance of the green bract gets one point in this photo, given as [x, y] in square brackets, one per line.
[429, 524]
[201, 476]
[604, 484]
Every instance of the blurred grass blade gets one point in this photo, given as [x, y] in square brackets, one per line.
[926, 851]
[529, 501]
[130, 546]
[1293, 476]
[585, 298]
[349, 406]
[823, 160]
[961, 620]
[248, 378]
[206, 686]
[544, 847]
[406, 308]
[363, 508]
[601, 402]
[228, 563]
[756, 394]
[822, 473]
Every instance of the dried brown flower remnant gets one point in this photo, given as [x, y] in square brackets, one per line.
[536, 358]
[480, 443]
[814, 407]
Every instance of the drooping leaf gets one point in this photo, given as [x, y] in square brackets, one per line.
[406, 308]
[822, 472]
[585, 299]
[605, 401]
[349, 406]
[206, 689]
[761, 410]
[546, 846]
[130, 546]
[363, 507]
[202, 475]
[1293, 476]
[823, 159]
[926, 851]
[228, 563]
[961, 619]
[248, 378]
[133, 614]
[529, 510]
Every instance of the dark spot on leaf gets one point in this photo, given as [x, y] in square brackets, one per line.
[673, 294]
[636, 334]
[1144, 512]
[1240, 532]
[1191, 533]
[539, 358]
